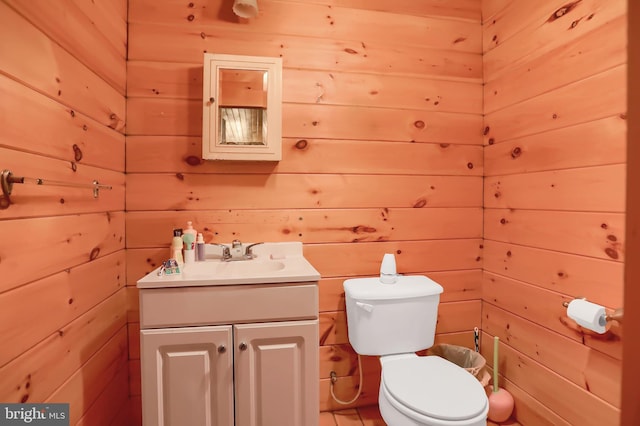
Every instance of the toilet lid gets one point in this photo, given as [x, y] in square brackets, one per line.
[434, 387]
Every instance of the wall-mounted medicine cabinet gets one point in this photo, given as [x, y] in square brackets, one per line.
[242, 108]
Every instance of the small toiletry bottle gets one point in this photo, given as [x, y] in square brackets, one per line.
[193, 232]
[176, 246]
[200, 248]
[189, 243]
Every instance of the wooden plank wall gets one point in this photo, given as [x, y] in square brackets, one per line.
[62, 257]
[630, 412]
[554, 197]
[382, 141]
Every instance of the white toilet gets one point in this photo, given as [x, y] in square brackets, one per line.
[394, 321]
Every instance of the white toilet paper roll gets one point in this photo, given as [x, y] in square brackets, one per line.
[588, 315]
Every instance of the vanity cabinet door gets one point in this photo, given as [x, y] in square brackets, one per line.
[276, 374]
[187, 376]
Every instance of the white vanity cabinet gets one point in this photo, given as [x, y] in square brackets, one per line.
[243, 355]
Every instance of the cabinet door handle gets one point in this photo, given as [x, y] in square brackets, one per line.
[222, 349]
[243, 346]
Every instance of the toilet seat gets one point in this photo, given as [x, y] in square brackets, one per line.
[433, 387]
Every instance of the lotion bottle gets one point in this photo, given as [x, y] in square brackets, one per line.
[192, 232]
[176, 246]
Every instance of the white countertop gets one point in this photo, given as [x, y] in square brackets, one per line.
[273, 263]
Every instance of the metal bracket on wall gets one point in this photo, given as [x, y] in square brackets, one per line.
[7, 180]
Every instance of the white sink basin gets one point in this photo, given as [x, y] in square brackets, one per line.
[274, 263]
[244, 268]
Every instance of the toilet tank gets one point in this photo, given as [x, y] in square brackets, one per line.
[385, 319]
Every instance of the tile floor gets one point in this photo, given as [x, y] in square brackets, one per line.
[368, 416]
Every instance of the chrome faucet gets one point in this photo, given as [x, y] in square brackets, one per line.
[226, 253]
[248, 252]
[236, 252]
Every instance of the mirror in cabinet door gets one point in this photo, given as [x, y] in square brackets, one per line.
[242, 108]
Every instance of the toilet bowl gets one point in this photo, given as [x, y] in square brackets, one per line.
[394, 320]
[430, 391]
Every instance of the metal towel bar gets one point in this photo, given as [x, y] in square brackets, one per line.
[8, 179]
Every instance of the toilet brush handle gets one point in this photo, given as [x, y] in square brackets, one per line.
[496, 341]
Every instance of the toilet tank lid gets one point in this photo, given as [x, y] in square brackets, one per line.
[407, 286]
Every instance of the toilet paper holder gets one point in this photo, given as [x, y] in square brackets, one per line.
[616, 315]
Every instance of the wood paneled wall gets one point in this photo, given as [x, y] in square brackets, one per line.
[383, 133]
[630, 411]
[554, 197]
[382, 150]
[62, 258]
